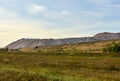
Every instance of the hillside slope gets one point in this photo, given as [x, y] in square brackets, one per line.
[32, 43]
[89, 47]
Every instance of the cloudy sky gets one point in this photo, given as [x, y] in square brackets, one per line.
[57, 18]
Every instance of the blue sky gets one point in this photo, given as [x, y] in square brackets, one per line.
[57, 18]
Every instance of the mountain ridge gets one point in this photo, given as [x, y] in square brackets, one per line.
[30, 43]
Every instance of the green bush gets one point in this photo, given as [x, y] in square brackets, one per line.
[114, 48]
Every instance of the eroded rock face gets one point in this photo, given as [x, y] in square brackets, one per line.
[28, 43]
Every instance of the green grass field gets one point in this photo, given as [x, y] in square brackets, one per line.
[59, 67]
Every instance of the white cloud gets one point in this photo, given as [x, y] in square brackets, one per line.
[57, 15]
[94, 14]
[65, 13]
[34, 8]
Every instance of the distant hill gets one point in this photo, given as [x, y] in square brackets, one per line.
[107, 36]
[32, 43]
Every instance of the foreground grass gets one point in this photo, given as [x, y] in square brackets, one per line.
[58, 67]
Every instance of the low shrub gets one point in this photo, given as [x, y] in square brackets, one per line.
[114, 48]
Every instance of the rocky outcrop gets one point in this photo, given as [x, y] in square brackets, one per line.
[30, 43]
[107, 36]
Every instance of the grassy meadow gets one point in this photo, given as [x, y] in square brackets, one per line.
[19, 66]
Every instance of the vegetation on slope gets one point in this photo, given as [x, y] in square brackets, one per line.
[114, 47]
[90, 47]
